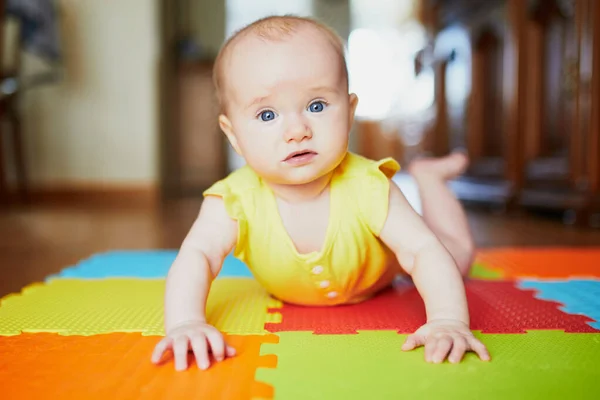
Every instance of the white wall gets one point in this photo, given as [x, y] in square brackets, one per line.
[100, 123]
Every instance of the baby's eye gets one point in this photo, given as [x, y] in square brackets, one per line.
[317, 106]
[267, 115]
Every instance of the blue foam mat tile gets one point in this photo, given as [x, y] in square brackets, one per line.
[578, 296]
[152, 264]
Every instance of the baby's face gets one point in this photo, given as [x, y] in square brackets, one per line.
[288, 109]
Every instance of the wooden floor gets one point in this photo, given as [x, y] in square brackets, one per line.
[38, 241]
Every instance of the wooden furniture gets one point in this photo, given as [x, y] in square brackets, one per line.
[9, 117]
[193, 148]
[561, 153]
[11, 140]
[376, 143]
[530, 121]
[197, 154]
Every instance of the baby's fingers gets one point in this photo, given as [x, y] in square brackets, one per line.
[479, 348]
[180, 350]
[459, 347]
[198, 344]
[430, 345]
[160, 349]
[217, 344]
[413, 341]
[229, 350]
[443, 346]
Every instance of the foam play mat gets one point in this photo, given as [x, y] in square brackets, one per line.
[88, 333]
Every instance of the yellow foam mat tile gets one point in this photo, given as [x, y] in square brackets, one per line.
[89, 307]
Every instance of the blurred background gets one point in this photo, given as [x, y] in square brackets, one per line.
[109, 118]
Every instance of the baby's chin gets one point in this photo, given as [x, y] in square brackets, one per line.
[295, 177]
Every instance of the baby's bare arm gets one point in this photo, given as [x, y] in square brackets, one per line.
[425, 258]
[438, 280]
[199, 260]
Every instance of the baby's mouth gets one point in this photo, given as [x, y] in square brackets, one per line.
[300, 154]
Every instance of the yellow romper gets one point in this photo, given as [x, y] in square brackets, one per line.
[353, 263]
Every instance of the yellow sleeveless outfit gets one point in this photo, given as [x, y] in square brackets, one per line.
[353, 263]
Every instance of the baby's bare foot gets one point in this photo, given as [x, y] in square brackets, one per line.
[443, 168]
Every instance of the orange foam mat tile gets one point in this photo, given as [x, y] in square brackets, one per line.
[117, 366]
[89, 307]
[552, 263]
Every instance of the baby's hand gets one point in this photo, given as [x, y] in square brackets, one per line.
[198, 336]
[445, 335]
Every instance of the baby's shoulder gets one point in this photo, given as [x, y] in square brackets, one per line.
[236, 190]
[365, 184]
[243, 178]
[238, 181]
[357, 168]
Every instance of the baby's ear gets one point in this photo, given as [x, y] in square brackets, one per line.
[227, 129]
[353, 102]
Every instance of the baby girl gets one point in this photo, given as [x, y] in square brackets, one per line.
[316, 224]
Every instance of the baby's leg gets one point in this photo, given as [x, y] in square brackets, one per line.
[440, 209]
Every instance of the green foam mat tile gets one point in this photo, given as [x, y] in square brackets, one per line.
[370, 365]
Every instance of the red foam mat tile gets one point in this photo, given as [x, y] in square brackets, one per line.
[495, 307]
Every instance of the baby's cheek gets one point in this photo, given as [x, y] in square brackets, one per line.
[337, 134]
[338, 122]
[259, 154]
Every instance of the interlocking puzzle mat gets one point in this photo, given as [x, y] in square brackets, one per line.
[152, 264]
[483, 272]
[369, 365]
[578, 297]
[495, 307]
[546, 263]
[88, 332]
[90, 307]
[116, 366]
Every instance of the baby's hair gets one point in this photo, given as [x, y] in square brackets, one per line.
[274, 28]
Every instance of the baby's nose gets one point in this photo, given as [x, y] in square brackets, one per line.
[298, 131]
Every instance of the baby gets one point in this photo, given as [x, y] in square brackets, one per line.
[316, 224]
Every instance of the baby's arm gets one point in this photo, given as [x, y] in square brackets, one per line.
[438, 280]
[199, 260]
